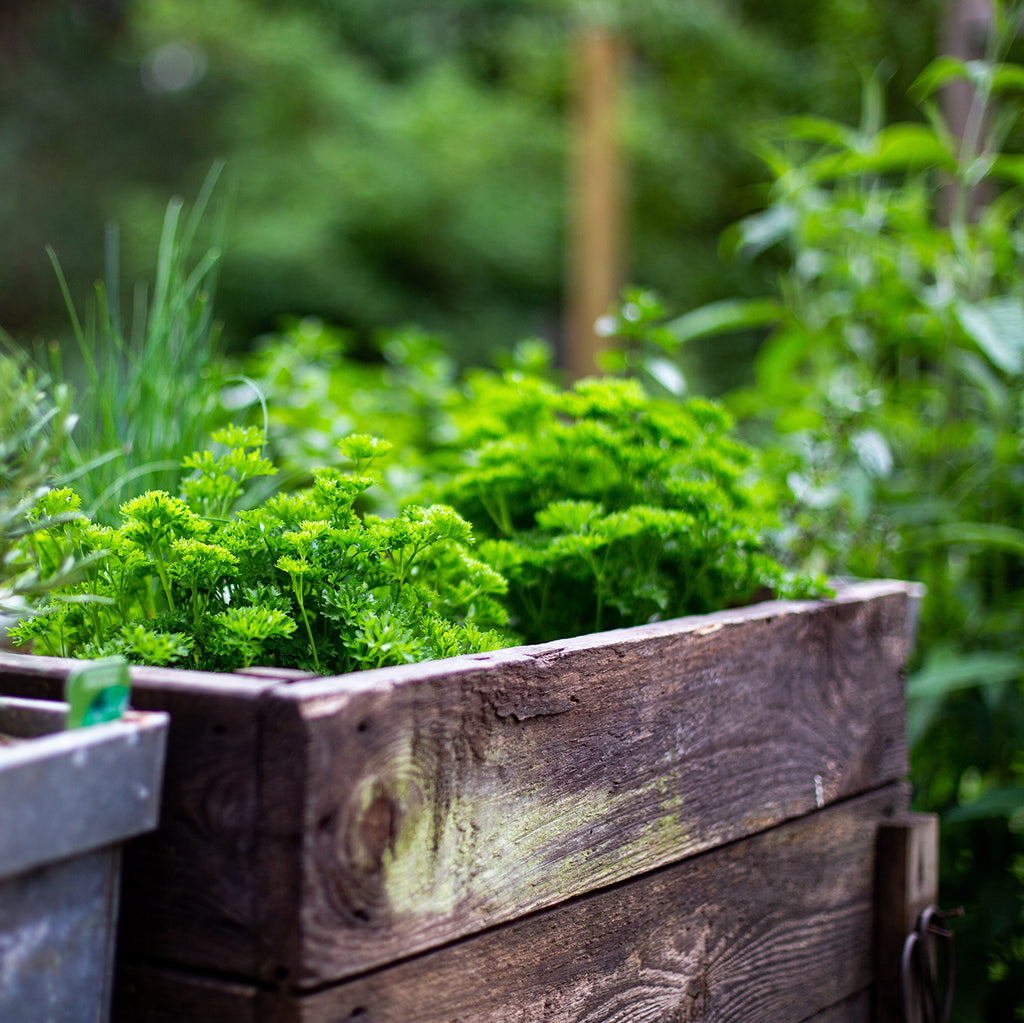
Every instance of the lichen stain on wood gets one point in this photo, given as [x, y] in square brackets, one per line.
[775, 927]
[419, 832]
[466, 799]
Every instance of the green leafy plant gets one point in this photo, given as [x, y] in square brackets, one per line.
[893, 377]
[605, 507]
[319, 386]
[150, 381]
[301, 580]
[35, 426]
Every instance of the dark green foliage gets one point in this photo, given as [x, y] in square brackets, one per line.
[300, 581]
[396, 163]
[605, 508]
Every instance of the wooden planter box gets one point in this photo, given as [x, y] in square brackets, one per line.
[671, 823]
[68, 800]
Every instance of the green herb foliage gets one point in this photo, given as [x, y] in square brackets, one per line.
[301, 581]
[36, 421]
[607, 508]
[893, 379]
[149, 379]
[319, 386]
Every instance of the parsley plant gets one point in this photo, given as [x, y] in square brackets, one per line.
[605, 507]
[302, 581]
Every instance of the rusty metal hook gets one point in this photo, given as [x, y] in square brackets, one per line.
[920, 967]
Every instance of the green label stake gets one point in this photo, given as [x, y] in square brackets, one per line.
[97, 692]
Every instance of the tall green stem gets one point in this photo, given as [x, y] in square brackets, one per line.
[161, 571]
[297, 587]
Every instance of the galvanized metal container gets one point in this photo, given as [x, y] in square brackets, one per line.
[68, 800]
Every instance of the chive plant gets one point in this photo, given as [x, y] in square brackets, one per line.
[150, 375]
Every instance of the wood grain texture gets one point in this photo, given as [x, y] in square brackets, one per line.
[768, 930]
[855, 1009]
[772, 929]
[189, 892]
[435, 801]
[907, 882]
[314, 830]
[37, 678]
[147, 995]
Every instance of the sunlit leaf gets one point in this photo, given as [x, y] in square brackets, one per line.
[1001, 802]
[938, 73]
[997, 327]
[820, 129]
[726, 317]
[757, 233]
[964, 671]
[900, 147]
[667, 374]
[1008, 78]
[1009, 167]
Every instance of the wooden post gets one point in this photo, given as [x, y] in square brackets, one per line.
[906, 882]
[965, 27]
[595, 200]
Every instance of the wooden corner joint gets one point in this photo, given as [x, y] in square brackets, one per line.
[906, 883]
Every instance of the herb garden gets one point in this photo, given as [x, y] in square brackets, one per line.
[365, 764]
[488, 697]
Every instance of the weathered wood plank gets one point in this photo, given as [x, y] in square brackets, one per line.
[855, 1009]
[316, 829]
[277, 674]
[33, 677]
[189, 892]
[434, 801]
[775, 928]
[146, 995]
[907, 882]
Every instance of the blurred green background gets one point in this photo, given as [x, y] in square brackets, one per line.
[390, 163]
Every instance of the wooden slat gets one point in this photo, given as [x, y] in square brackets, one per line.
[277, 674]
[907, 882]
[282, 839]
[768, 930]
[776, 928]
[434, 801]
[144, 995]
[36, 678]
[189, 892]
[855, 1009]
[313, 830]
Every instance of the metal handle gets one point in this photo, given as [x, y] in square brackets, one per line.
[920, 967]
